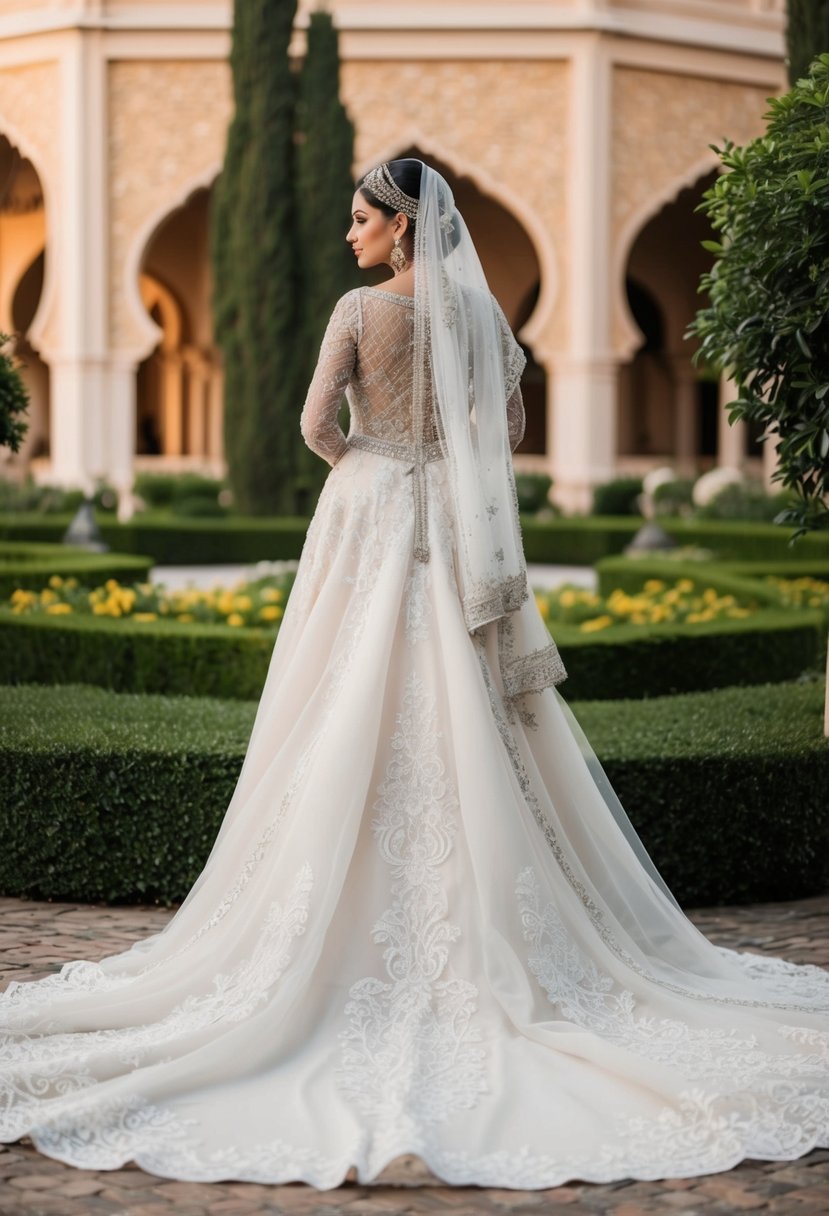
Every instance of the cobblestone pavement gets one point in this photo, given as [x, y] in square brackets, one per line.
[36, 937]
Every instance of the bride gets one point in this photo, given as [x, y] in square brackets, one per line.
[426, 925]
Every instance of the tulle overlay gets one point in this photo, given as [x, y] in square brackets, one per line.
[425, 927]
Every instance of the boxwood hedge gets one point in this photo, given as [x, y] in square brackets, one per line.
[567, 540]
[119, 798]
[215, 660]
[32, 565]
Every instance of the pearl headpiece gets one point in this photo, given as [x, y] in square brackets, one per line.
[383, 186]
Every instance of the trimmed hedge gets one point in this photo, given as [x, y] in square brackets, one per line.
[32, 565]
[179, 541]
[640, 661]
[119, 798]
[134, 656]
[577, 540]
[217, 661]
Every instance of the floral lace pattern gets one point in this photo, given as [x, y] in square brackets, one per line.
[411, 1052]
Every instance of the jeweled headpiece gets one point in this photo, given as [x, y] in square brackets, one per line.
[383, 186]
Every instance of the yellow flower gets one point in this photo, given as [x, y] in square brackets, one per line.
[22, 596]
[235, 619]
[100, 609]
[145, 616]
[47, 596]
[111, 584]
[685, 584]
[59, 609]
[543, 606]
[597, 622]
[56, 581]
[225, 603]
[654, 584]
[271, 612]
[272, 595]
[186, 617]
[70, 583]
[567, 598]
[243, 603]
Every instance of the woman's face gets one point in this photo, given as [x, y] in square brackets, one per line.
[371, 235]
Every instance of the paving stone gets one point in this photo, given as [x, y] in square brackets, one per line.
[35, 938]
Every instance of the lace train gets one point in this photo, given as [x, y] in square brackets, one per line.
[420, 930]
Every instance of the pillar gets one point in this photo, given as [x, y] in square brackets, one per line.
[172, 403]
[585, 382]
[731, 440]
[685, 414]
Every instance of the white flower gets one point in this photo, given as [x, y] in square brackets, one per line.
[707, 487]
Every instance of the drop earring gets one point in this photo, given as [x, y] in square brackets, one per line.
[397, 257]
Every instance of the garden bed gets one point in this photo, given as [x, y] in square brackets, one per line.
[31, 565]
[119, 798]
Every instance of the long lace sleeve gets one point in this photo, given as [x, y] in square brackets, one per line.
[514, 363]
[318, 421]
[516, 418]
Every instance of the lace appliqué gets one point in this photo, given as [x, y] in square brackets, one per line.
[590, 998]
[411, 1054]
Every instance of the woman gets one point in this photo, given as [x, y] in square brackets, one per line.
[426, 925]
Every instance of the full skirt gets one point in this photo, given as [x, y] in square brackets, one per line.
[425, 927]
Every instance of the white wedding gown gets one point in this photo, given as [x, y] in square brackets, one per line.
[425, 926]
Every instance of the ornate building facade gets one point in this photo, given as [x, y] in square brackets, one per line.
[575, 135]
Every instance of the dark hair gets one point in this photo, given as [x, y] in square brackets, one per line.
[406, 174]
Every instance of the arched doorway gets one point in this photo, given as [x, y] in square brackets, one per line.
[513, 272]
[667, 405]
[178, 397]
[22, 265]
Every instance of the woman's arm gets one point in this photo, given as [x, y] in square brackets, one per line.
[338, 352]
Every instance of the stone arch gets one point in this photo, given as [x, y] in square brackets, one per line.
[146, 334]
[627, 335]
[178, 381]
[22, 273]
[661, 398]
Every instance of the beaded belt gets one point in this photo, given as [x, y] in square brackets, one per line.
[418, 459]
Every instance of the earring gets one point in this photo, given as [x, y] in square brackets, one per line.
[397, 257]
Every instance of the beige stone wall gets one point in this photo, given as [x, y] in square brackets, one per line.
[661, 127]
[505, 121]
[167, 126]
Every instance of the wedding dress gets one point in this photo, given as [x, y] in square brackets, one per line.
[426, 926]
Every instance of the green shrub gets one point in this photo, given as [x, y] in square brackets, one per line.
[32, 565]
[674, 497]
[661, 660]
[533, 491]
[748, 500]
[617, 497]
[118, 798]
[52, 500]
[157, 657]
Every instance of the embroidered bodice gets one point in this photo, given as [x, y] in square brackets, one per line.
[367, 354]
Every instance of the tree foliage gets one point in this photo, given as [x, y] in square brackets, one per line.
[807, 34]
[14, 400]
[767, 324]
[278, 248]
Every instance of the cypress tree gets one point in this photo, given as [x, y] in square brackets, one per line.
[807, 35]
[255, 244]
[324, 189]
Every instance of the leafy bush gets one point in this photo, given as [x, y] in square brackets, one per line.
[767, 323]
[52, 500]
[182, 493]
[674, 497]
[533, 491]
[727, 789]
[617, 497]
[747, 500]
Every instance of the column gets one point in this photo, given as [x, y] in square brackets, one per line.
[78, 357]
[215, 416]
[172, 403]
[584, 422]
[122, 393]
[731, 440]
[685, 414]
[196, 398]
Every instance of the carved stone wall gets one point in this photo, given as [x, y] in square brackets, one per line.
[662, 125]
[507, 120]
[167, 127]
